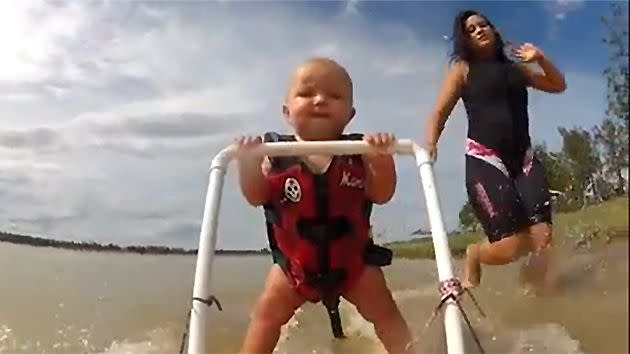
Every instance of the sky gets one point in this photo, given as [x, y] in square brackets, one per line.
[112, 110]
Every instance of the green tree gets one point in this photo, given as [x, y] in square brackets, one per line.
[612, 135]
[578, 146]
[617, 75]
[467, 219]
[557, 168]
[613, 142]
[559, 176]
[580, 151]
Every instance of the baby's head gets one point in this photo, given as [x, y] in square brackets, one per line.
[318, 102]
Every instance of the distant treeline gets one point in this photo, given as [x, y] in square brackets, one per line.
[93, 246]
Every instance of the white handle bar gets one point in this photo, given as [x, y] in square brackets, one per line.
[333, 147]
[199, 314]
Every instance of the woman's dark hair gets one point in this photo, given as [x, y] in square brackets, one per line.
[462, 49]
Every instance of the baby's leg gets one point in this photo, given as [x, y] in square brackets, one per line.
[274, 308]
[375, 303]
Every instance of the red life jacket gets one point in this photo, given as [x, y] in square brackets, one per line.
[319, 225]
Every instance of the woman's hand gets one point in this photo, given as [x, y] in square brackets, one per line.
[528, 53]
[432, 150]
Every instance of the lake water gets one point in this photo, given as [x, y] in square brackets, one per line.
[58, 301]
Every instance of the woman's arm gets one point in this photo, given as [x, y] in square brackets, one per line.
[551, 80]
[447, 98]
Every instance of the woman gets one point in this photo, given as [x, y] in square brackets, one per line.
[505, 183]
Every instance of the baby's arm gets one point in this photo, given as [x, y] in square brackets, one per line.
[380, 178]
[253, 182]
[380, 169]
[252, 172]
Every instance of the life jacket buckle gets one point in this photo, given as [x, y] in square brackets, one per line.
[318, 231]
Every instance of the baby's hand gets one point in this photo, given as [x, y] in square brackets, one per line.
[382, 142]
[245, 143]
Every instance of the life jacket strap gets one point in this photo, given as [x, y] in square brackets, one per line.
[321, 232]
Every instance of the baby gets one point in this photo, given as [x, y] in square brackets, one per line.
[318, 213]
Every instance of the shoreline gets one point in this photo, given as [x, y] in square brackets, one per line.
[80, 246]
[605, 221]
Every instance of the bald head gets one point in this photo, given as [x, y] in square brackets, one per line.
[320, 67]
[318, 103]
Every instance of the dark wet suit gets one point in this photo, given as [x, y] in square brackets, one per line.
[506, 184]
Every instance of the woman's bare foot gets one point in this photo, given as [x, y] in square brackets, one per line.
[472, 267]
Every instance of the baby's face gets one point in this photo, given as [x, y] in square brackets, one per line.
[319, 102]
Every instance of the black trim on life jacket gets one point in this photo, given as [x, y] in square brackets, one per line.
[321, 231]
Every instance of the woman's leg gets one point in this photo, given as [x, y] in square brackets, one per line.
[535, 268]
[507, 250]
[536, 202]
[496, 203]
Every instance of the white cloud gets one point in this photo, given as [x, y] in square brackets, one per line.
[352, 7]
[123, 107]
[560, 9]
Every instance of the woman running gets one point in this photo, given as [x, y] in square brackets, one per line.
[506, 184]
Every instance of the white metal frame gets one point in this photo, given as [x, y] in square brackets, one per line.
[200, 313]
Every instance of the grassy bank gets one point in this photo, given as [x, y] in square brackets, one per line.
[609, 218]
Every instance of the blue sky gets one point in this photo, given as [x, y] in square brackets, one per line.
[113, 110]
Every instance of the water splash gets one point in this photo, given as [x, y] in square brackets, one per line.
[547, 338]
[288, 329]
[157, 341]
